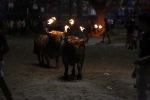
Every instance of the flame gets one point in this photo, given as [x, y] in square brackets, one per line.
[66, 27]
[54, 18]
[50, 21]
[82, 28]
[71, 21]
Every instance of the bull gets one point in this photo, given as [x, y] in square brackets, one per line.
[73, 52]
[48, 46]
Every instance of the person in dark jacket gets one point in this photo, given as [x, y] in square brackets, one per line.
[107, 31]
[142, 70]
[4, 48]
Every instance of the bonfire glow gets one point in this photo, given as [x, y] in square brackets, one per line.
[66, 28]
[100, 26]
[71, 21]
[95, 26]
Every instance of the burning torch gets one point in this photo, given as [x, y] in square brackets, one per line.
[98, 26]
[84, 30]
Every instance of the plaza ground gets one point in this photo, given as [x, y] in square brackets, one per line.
[106, 72]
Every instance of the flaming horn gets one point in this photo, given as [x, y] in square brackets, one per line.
[86, 33]
[50, 21]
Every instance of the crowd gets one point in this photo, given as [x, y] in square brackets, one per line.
[134, 33]
[16, 27]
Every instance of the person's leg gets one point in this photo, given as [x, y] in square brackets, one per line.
[108, 38]
[141, 83]
[103, 38]
[3, 84]
[5, 89]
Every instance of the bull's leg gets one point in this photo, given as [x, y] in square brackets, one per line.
[42, 61]
[73, 70]
[66, 69]
[39, 58]
[47, 60]
[79, 76]
[57, 62]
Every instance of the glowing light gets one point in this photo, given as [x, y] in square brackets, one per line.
[95, 26]
[82, 28]
[66, 28]
[71, 21]
[54, 18]
[50, 21]
[100, 26]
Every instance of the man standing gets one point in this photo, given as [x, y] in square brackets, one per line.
[142, 72]
[4, 48]
[107, 32]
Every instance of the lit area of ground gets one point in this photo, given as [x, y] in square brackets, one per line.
[106, 72]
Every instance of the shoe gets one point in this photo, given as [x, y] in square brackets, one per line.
[102, 41]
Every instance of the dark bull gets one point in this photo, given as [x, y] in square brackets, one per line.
[73, 51]
[49, 46]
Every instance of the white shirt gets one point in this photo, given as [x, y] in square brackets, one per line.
[23, 23]
[11, 23]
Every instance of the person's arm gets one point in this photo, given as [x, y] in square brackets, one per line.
[144, 60]
[5, 46]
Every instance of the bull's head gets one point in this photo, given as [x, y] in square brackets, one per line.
[75, 45]
[55, 36]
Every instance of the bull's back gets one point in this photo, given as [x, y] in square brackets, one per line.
[42, 44]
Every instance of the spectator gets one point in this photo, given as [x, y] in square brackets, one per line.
[4, 48]
[112, 23]
[19, 27]
[106, 32]
[135, 38]
[23, 25]
[142, 70]
[130, 30]
[11, 23]
[15, 27]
